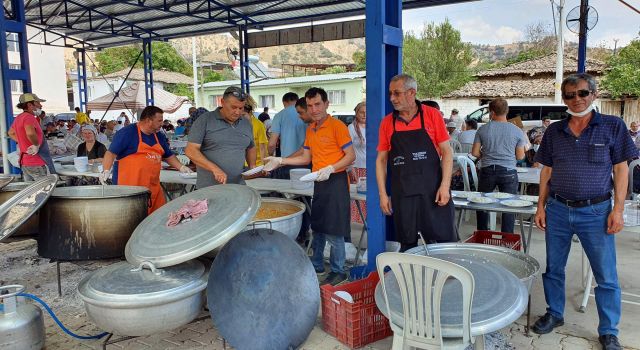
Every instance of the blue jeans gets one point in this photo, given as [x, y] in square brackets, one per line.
[507, 181]
[590, 225]
[337, 257]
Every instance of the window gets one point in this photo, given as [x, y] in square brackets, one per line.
[554, 112]
[530, 113]
[215, 101]
[12, 42]
[336, 97]
[267, 101]
[16, 85]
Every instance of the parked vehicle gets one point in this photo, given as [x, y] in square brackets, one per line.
[531, 114]
[65, 116]
[345, 117]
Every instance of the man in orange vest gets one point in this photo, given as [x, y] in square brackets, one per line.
[138, 150]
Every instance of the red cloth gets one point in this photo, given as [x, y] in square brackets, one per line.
[23, 119]
[190, 209]
[433, 122]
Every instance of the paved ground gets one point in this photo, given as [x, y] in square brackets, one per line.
[19, 263]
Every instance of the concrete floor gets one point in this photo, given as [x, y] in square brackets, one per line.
[579, 331]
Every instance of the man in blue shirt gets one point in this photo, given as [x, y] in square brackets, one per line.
[579, 155]
[289, 129]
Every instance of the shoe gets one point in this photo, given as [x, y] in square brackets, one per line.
[546, 324]
[609, 342]
[335, 279]
[320, 272]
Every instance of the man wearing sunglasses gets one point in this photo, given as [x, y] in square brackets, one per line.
[220, 141]
[585, 158]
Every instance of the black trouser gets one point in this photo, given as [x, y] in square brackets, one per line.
[506, 180]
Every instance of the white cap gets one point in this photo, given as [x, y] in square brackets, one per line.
[451, 125]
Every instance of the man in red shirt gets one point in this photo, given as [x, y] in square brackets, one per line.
[26, 131]
[414, 141]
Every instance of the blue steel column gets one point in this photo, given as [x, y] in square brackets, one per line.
[148, 70]
[582, 37]
[384, 60]
[81, 61]
[244, 58]
[13, 24]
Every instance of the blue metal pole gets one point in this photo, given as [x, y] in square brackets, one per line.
[582, 38]
[81, 61]
[13, 22]
[244, 58]
[383, 40]
[148, 70]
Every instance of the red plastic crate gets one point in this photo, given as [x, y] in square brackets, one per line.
[354, 324]
[500, 239]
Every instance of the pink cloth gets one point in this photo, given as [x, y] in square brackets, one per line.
[191, 209]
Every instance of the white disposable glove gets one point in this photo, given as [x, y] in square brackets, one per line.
[32, 150]
[324, 173]
[272, 163]
[104, 176]
[185, 170]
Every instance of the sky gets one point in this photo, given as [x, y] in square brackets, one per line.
[504, 21]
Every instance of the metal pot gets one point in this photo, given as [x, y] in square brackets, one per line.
[31, 226]
[80, 223]
[289, 224]
[21, 324]
[525, 267]
[140, 301]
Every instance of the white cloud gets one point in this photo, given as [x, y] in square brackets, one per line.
[476, 30]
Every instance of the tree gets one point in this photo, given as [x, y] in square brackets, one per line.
[360, 59]
[164, 56]
[623, 75]
[438, 59]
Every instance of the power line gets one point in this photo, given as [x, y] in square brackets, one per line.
[629, 6]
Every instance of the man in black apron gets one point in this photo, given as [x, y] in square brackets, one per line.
[328, 147]
[415, 143]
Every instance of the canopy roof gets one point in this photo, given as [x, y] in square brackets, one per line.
[105, 23]
[133, 98]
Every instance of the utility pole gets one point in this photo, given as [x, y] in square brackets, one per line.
[559, 53]
[582, 44]
[194, 60]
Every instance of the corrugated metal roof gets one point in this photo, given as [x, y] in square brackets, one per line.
[104, 23]
[293, 80]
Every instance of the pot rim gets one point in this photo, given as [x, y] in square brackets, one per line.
[295, 203]
[134, 191]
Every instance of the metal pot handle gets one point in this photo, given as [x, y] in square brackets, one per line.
[149, 265]
[18, 289]
[261, 222]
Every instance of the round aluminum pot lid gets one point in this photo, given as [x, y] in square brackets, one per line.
[5, 180]
[19, 208]
[93, 192]
[123, 285]
[499, 297]
[230, 208]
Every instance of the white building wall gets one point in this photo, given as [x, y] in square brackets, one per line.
[48, 77]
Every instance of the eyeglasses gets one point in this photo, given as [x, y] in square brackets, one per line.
[239, 94]
[571, 95]
[396, 93]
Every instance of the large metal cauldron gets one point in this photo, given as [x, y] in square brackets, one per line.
[31, 226]
[80, 223]
[288, 224]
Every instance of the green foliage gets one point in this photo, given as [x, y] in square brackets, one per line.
[623, 75]
[180, 90]
[438, 59]
[525, 56]
[334, 70]
[164, 57]
[360, 59]
[210, 76]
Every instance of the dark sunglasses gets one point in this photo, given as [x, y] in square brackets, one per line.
[572, 95]
[239, 94]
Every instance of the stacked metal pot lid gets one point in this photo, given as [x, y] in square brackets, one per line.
[23, 205]
[160, 287]
[5, 180]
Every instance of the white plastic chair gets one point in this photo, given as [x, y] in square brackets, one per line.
[421, 305]
[466, 147]
[466, 165]
[455, 145]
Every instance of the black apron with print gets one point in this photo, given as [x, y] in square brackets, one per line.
[330, 207]
[415, 178]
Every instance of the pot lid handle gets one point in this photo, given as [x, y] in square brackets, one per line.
[149, 265]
